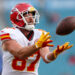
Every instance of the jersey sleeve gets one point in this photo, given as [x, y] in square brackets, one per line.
[6, 35]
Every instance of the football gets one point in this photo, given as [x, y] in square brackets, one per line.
[66, 26]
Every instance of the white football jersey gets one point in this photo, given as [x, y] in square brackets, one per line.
[13, 65]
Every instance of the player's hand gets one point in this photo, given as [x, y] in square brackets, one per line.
[44, 40]
[62, 48]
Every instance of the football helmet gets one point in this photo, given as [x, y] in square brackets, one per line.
[17, 18]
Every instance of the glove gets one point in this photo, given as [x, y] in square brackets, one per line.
[61, 49]
[44, 41]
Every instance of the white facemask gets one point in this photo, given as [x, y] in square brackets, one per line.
[28, 27]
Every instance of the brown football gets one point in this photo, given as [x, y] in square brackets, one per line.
[66, 26]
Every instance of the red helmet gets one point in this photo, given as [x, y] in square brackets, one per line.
[18, 19]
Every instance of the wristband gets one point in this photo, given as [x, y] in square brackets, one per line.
[47, 58]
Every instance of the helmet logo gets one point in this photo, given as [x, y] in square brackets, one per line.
[31, 9]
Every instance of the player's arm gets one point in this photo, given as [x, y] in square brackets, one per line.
[17, 50]
[22, 52]
[50, 56]
[47, 55]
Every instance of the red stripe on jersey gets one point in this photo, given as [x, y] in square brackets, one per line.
[6, 38]
[4, 34]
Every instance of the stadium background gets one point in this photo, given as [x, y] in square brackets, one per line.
[51, 12]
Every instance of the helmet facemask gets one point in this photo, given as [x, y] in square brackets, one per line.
[27, 25]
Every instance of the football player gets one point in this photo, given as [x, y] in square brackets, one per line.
[23, 45]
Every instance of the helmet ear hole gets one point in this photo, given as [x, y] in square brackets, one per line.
[19, 17]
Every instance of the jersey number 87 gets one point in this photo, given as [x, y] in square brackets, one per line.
[23, 66]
